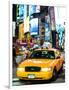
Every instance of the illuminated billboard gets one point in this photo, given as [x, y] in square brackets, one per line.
[47, 29]
[52, 17]
[34, 9]
[34, 26]
[21, 31]
[26, 24]
[47, 32]
[20, 12]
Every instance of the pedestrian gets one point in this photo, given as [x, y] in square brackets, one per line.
[14, 56]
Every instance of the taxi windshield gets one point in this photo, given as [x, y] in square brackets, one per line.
[43, 54]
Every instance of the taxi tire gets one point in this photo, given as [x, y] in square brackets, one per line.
[54, 74]
[61, 69]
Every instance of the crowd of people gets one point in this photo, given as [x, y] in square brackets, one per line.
[21, 52]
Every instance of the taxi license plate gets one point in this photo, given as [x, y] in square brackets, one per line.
[31, 76]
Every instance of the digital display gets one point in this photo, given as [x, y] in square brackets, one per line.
[20, 11]
[34, 9]
[47, 32]
[34, 26]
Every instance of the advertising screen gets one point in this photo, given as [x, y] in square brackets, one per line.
[34, 9]
[21, 31]
[20, 12]
[34, 26]
[47, 32]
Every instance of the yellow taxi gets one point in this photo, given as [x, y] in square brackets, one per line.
[43, 64]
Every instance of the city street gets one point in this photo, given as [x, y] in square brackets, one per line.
[38, 44]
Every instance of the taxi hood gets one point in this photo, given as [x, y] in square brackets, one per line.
[37, 62]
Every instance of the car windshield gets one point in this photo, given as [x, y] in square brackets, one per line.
[43, 54]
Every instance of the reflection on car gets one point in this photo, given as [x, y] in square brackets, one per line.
[43, 54]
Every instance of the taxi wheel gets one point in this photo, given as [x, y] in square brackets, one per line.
[54, 74]
[61, 69]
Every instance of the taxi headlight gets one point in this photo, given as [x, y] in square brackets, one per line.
[21, 69]
[46, 69]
